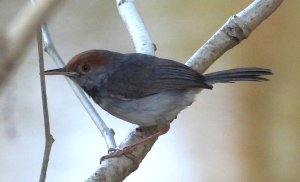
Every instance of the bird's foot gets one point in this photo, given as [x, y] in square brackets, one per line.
[127, 151]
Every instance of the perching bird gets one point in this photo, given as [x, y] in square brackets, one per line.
[143, 89]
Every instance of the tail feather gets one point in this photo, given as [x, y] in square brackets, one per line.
[237, 74]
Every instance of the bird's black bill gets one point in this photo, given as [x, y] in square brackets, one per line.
[60, 71]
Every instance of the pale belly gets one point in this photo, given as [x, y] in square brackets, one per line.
[152, 110]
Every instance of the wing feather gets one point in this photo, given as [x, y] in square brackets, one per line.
[147, 75]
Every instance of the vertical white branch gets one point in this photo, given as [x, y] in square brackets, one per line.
[135, 27]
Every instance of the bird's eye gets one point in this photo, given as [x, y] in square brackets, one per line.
[85, 68]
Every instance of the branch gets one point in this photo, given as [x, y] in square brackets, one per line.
[135, 27]
[19, 32]
[237, 28]
[48, 137]
[107, 133]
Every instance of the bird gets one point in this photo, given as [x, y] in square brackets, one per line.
[143, 89]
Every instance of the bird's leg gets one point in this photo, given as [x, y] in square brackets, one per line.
[127, 151]
[162, 129]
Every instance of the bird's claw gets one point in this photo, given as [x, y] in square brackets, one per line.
[127, 151]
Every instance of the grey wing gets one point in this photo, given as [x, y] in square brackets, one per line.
[148, 75]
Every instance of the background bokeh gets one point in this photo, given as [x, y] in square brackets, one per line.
[237, 132]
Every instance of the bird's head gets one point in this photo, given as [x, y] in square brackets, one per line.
[87, 69]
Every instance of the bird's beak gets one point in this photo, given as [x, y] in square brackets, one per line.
[60, 71]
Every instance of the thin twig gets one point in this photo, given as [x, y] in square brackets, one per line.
[48, 137]
[117, 169]
[16, 36]
[107, 133]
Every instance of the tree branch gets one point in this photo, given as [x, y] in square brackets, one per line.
[135, 27]
[48, 137]
[237, 28]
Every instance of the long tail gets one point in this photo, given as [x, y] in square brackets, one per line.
[238, 74]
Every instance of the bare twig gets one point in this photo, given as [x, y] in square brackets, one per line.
[107, 133]
[19, 32]
[48, 137]
[232, 33]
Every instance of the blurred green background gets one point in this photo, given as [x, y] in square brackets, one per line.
[237, 132]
